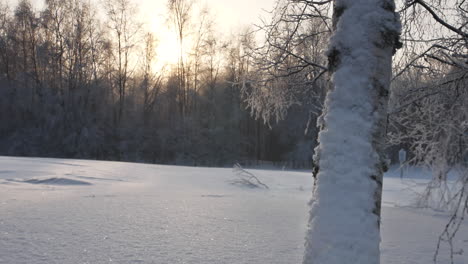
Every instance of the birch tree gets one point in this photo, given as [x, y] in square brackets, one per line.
[120, 14]
[180, 15]
[349, 160]
[345, 210]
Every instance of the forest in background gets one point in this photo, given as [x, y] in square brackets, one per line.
[81, 79]
[76, 84]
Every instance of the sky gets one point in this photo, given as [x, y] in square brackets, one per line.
[230, 15]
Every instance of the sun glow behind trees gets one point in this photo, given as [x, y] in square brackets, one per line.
[167, 50]
[228, 18]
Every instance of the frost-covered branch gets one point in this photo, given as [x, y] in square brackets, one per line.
[246, 178]
[460, 200]
[288, 68]
[438, 19]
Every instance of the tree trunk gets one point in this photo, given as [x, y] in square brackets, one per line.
[349, 163]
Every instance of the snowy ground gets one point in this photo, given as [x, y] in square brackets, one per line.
[76, 211]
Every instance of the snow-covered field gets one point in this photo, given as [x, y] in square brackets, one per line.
[77, 211]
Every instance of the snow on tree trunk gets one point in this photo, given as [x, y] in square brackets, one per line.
[345, 210]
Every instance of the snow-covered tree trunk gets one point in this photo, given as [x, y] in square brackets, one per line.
[345, 210]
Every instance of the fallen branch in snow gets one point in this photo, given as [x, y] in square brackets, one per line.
[246, 178]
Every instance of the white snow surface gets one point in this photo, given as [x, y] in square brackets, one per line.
[77, 211]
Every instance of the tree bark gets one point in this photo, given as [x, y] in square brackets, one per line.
[349, 161]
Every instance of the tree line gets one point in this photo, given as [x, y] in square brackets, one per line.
[79, 80]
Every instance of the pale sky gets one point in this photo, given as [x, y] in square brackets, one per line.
[230, 15]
